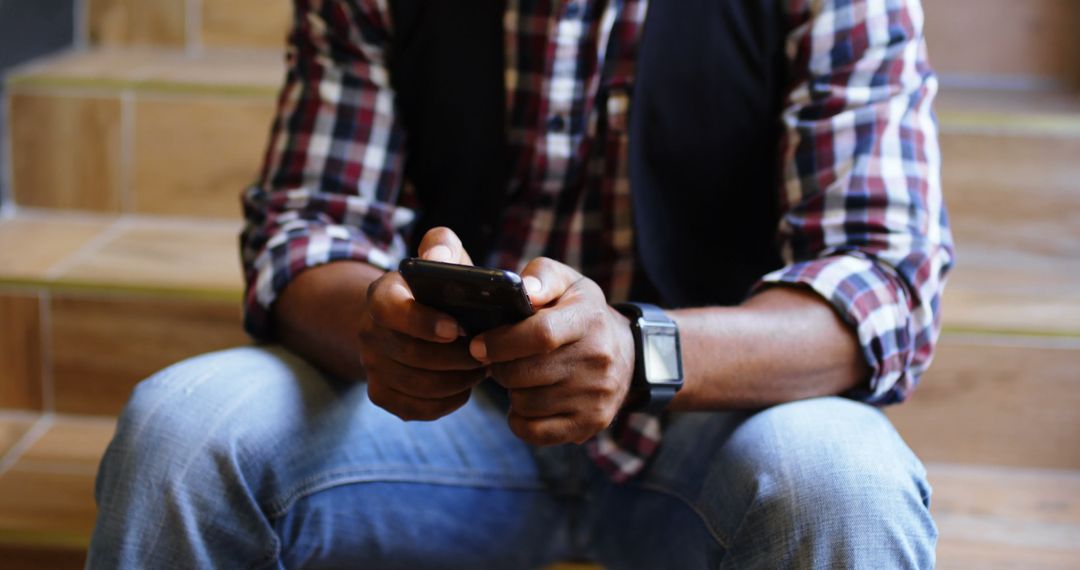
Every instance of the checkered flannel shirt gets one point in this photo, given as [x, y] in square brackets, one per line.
[863, 223]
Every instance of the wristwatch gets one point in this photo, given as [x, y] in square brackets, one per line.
[658, 372]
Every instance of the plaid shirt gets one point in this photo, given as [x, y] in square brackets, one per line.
[863, 223]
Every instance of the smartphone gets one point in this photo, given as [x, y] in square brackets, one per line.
[479, 298]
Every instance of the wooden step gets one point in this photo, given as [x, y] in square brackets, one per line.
[994, 400]
[93, 305]
[141, 132]
[190, 24]
[998, 518]
[1003, 386]
[47, 506]
[1004, 42]
[1009, 177]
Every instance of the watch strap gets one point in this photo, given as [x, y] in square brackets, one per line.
[656, 398]
[638, 310]
[659, 398]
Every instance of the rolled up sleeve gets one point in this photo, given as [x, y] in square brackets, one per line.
[863, 222]
[332, 172]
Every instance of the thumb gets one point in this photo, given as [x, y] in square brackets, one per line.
[442, 244]
[546, 280]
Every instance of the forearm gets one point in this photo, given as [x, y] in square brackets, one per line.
[783, 344]
[318, 315]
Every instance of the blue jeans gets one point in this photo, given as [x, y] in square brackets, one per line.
[250, 458]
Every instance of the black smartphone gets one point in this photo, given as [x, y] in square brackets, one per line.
[479, 298]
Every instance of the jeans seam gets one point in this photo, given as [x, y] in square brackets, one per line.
[279, 506]
[273, 553]
[713, 532]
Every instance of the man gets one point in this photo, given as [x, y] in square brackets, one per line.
[766, 171]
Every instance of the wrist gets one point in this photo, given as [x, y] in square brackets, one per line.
[626, 355]
[318, 315]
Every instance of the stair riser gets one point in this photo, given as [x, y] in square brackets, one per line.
[997, 402]
[97, 347]
[188, 23]
[1003, 40]
[134, 152]
[20, 352]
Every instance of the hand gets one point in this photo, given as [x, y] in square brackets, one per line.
[568, 367]
[417, 363]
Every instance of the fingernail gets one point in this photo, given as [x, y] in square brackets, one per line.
[446, 328]
[478, 349]
[439, 253]
[532, 284]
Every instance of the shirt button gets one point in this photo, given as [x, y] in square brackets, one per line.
[556, 123]
[573, 9]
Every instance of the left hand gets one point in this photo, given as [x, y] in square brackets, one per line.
[568, 367]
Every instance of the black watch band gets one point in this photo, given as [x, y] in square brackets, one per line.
[650, 396]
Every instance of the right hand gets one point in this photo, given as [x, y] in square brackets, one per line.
[417, 361]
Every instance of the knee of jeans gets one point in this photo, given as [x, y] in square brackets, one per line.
[832, 458]
[197, 407]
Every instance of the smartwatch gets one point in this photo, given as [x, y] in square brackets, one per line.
[658, 372]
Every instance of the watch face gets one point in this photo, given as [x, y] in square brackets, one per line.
[661, 356]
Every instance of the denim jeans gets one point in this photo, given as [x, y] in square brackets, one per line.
[250, 458]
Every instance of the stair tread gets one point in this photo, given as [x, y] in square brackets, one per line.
[1027, 296]
[46, 495]
[13, 426]
[194, 258]
[75, 441]
[42, 243]
[258, 72]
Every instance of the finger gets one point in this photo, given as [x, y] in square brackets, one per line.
[424, 355]
[391, 305]
[546, 331]
[529, 372]
[553, 430]
[423, 384]
[542, 402]
[546, 280]
[442, 244]
[410, 408]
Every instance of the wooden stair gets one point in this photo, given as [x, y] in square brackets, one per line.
[120, 258]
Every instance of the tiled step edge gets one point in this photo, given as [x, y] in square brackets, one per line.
[1045, 112]
[229, 72]
[164, 258]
